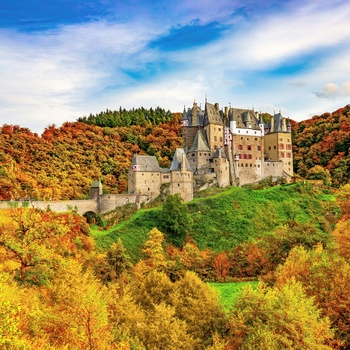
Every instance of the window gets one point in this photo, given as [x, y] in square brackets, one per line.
[281, 139]
[289, 155]
[220, 139]
[244, 156]
[219, 129]
[269, 148]
[250, 156]
[274, 147]
[249, 147]
[282, 154]
[281, 146]
[215, 138]
[240, 147]
[259, 148]
[288, 146]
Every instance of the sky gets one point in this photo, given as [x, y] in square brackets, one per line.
[64, 59]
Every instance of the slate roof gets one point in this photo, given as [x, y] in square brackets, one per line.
[200, 142]
[242, 116]
[217, 153]
[177, 160]
[146, 163]
[212, 115]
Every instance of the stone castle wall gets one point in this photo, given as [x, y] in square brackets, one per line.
[80, 206]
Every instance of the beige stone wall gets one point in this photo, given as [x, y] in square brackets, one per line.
[198, 159]
[80, 206]
[182, 183]
[250, 149]
[222, 169]
[248, 172]
[108, 202]
[145, 182]
[273, 168]
[278, 146]
[215, 135]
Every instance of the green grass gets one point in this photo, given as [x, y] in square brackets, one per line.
[226, 219]
[228, 292]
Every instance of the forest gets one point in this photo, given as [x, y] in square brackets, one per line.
[152, 279]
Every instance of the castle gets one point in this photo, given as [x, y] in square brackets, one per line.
[220, 147]
[227, 147]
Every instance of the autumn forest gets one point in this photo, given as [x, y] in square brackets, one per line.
[156, 278]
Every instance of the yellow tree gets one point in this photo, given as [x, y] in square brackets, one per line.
[325, 276]
[77, 306]
[198, 305]
[277, 318]
[25, 235]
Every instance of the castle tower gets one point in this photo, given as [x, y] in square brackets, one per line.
[181, 176]
[96, 190]
[144, 176]
[214, 127]
[221, 168]
[278, 143]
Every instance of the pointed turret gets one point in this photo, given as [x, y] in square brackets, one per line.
[184, 120]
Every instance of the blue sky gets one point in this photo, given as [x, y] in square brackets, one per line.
[63, 59]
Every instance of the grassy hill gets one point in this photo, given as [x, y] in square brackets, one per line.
[223, 221]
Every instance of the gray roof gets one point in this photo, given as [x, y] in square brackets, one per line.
[200, 142]
[242, 116]
[177, 160]
[212, 115]
[146, 163]
[218, 151]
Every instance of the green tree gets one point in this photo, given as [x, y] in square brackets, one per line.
[115, 262]
[176, 221]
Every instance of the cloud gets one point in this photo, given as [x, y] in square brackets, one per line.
[332, 90]
[346, 87]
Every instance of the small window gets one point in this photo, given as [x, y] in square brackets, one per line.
[249, 147]
[259, 148]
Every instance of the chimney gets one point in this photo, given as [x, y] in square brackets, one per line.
[183, 163]
[217, 106]
[272, 128]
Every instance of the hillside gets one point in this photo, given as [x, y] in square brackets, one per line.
[223, 221]
[63, 162]
[321, 146]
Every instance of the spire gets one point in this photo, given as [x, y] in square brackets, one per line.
[184, 114]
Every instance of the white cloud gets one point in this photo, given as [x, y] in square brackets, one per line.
[346, 86]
